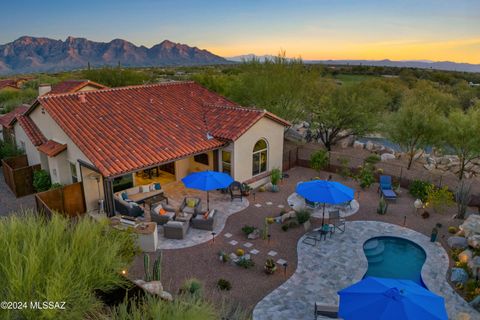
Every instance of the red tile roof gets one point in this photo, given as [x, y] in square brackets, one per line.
[70, 86]
[8, 117]
[126, 129]
[52, 148]
[31, 130]
[11, 83]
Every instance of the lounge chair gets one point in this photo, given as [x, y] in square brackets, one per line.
[325, 310]
[386, 188]
[335, 219]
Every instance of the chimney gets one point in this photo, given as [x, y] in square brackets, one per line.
[82, 98]
[44, 89]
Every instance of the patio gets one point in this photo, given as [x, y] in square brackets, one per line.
[251, 286]
[339, 261]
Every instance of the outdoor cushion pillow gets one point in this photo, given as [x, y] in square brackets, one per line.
[133, 204]
[151, 187]
[124, 195]
[157, 209]
[157, 186]
[145, 189]
[205, 215]
[191, 202]
[211, 213]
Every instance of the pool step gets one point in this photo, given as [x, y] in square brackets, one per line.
[375, 260]
[374, 250]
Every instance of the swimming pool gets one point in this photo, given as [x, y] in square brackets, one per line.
[392, 257]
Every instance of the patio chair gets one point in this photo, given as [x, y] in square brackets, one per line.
[312, 237]
[386, 188]
[236, 190]
[335, 219]
[191, 205]
[160, 216]
[204, 223]
[325, 310]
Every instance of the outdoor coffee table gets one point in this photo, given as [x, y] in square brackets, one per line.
[154, 200]
[186, 217]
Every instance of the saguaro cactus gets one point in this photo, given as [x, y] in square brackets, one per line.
[157, 268]
[146, 267]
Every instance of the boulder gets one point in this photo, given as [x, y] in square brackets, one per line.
[457, 242]
[458, 275]
[429, 167]
[254, 235]
[153, 287]
[465, 255]
[471, 225]
[387, 156]
[369, 145]
[288, 215]
[474, 241]
[164, 295]
[347, 142]
[474, 264]
[358, 145]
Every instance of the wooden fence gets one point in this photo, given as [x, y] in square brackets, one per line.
[18, 175]
[68, 200]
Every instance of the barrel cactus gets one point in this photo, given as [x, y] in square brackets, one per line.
[157, 268]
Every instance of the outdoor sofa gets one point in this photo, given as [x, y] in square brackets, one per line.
[127, 201]
[205, 223]
[175, 229]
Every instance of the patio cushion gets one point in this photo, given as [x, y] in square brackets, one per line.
[157, 186]
[175, 224]
[211, 213]
[205, 215]
[145, 188]
[191, 202]
[124, 196]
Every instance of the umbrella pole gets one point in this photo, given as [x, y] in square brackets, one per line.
[323, 215]
[208, 202]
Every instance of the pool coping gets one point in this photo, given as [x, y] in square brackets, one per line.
[321, 272]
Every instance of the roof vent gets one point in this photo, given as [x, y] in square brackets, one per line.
[82, 98]
[209, 136]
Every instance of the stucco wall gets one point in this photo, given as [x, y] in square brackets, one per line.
[51, 130]
[30, 150]
[91, 188]
[266, 129]
[184, 166]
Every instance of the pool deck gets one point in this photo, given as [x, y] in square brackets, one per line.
[339, 261]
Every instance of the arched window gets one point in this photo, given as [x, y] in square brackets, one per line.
[260, 154]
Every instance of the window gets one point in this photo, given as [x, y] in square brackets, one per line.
[201, 158]
[227, 162]
[73, 172]
[259, 162]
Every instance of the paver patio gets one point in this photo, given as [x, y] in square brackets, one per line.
[338, 262]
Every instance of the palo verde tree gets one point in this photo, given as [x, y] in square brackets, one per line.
[461, 135]
[346, 111]
[419, 121]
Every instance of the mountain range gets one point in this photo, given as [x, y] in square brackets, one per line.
[32, 54]
[422, 64]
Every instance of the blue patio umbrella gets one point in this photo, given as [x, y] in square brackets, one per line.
[207, 181]
[390, 299]
[323, 191]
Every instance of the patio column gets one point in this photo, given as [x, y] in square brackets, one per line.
[108, 194]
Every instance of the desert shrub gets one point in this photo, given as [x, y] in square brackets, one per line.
[240, 252]
[9, 149]
[223, 284]
[372, 159]
[284, 227]
[41, 180]
[245, 263]
[292, 224]
[302, 216]
[366, 177]
[153, 308]
[248, 229]
[439, 198]
[419, 189]
[344, 170]
[319, 160]
[275, 176]
[452, 230]
[56, 185]
[192, 287]
[59, 260]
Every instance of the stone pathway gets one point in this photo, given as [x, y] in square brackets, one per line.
[339, 261]
[196, 236]
[8, 202]
[297, 203]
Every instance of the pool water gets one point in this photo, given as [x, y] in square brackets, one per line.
[392, 257]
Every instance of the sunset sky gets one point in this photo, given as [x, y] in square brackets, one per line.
[337, 29]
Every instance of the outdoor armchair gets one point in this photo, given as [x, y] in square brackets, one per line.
[191, 205]
[386, 188]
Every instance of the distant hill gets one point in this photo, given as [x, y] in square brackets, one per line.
[31, 54]
[422, 64]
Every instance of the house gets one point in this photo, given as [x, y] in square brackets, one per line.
[69, 86]
[115, 138]
[6, 127]
[12, 84]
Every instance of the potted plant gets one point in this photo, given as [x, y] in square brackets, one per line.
[246, 189]
[270, 266]
[223, 257]
[275, 176]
